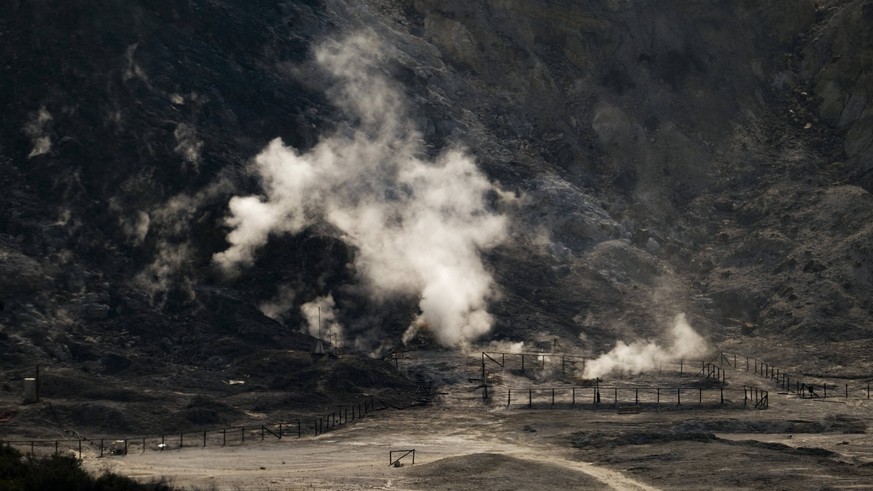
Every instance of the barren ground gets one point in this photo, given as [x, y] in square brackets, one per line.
[460, 444]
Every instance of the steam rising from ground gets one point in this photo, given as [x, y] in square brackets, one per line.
[321, 319]
[418, 225]
[641, 356]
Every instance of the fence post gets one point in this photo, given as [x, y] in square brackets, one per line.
[224, 437]
[553, 397]
[678, 396]
[101, 447]
[300, 430]
[637, 396]
[204, 439]
[242, 433]
[700, 396]
[508, 397]
[615, 397]
[573, 403]
[529, 396]
[721, 394]
[658, 397]
[280, 430]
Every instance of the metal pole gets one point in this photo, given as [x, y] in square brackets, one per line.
[483, 367]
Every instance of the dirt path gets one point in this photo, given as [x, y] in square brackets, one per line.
[357, 458]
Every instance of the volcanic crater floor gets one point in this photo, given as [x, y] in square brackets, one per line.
[462, 444]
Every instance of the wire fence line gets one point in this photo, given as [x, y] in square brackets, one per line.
[233, 435]
[792, 383]
[621, 397]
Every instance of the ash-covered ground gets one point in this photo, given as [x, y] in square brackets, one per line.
[463, 443]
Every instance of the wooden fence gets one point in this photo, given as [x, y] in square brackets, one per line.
[618, 397]
[236, 435]
[792, 383]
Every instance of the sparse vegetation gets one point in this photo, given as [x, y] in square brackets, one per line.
[20, 473]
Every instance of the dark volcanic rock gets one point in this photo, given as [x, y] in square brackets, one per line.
[711, 158]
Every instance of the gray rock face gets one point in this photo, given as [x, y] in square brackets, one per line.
[658, 153]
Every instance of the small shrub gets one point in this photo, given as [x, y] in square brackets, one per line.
[18, 473]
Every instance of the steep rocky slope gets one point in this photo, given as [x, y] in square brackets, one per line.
[686, 157]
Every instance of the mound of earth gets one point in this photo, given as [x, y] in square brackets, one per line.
[483, 470]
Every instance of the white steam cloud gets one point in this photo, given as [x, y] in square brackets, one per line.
[418, 225]
[321, 319]
[278, 307]
[35, 129]
[641, 356]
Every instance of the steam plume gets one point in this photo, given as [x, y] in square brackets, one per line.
[321, 318]
[640, 356]
[418, 225]
[36, 130]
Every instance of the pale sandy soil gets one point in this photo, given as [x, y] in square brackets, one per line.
[477, 448]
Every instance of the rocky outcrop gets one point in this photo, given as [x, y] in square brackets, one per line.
[655, 157]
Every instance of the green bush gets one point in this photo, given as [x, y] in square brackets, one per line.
[18, 473]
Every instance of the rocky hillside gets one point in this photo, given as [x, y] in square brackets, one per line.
[642, 160]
